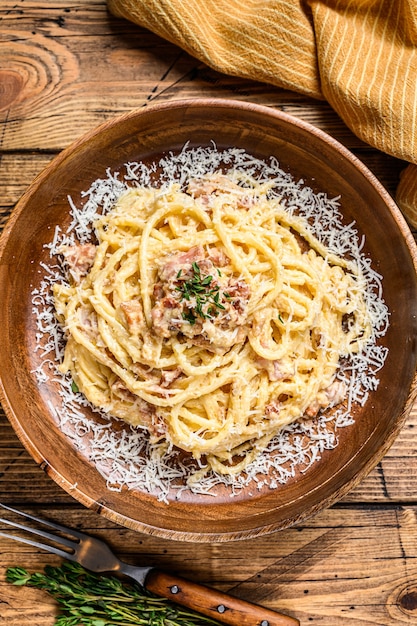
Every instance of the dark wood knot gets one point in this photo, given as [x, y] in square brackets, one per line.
[408, 600]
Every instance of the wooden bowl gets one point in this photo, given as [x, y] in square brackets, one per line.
[307, 153]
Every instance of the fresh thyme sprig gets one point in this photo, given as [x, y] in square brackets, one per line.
[203, 291]
[88, 599]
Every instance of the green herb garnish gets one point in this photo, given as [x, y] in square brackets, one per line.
[203, 292]
[88, 599]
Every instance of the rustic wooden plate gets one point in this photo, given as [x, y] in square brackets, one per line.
[305, 152]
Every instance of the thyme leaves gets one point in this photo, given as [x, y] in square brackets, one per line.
[88, 599]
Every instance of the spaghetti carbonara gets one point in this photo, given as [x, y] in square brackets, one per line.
[210, 317]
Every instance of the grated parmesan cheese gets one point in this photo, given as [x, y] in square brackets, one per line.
[124, 456]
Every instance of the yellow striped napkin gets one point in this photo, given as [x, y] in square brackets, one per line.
[359, 55]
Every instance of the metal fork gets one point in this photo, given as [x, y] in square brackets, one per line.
[95, 555]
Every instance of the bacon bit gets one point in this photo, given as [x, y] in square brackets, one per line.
[238, 293]
[163, 315]
[208, 186]
[218, 257]
[273, 409]
[79, 258]
[181, 261]
[134, 316]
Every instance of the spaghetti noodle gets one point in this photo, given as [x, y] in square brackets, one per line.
[210, 316]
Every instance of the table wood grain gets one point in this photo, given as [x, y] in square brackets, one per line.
[65, 67]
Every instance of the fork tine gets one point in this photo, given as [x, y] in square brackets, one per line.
[65, 529]
[42, 533]
[37, 544]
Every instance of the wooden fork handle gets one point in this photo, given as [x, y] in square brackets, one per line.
[215, 604]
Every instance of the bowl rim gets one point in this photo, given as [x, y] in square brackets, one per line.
[262, 110]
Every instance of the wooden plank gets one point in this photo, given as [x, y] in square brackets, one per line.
[394, 479]
[344, 567]
[66, 68]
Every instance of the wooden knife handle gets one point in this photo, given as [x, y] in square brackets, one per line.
[215, 604]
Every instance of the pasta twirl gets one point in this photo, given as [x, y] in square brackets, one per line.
[210, 317]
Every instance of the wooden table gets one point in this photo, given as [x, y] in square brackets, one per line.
[64, 68]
